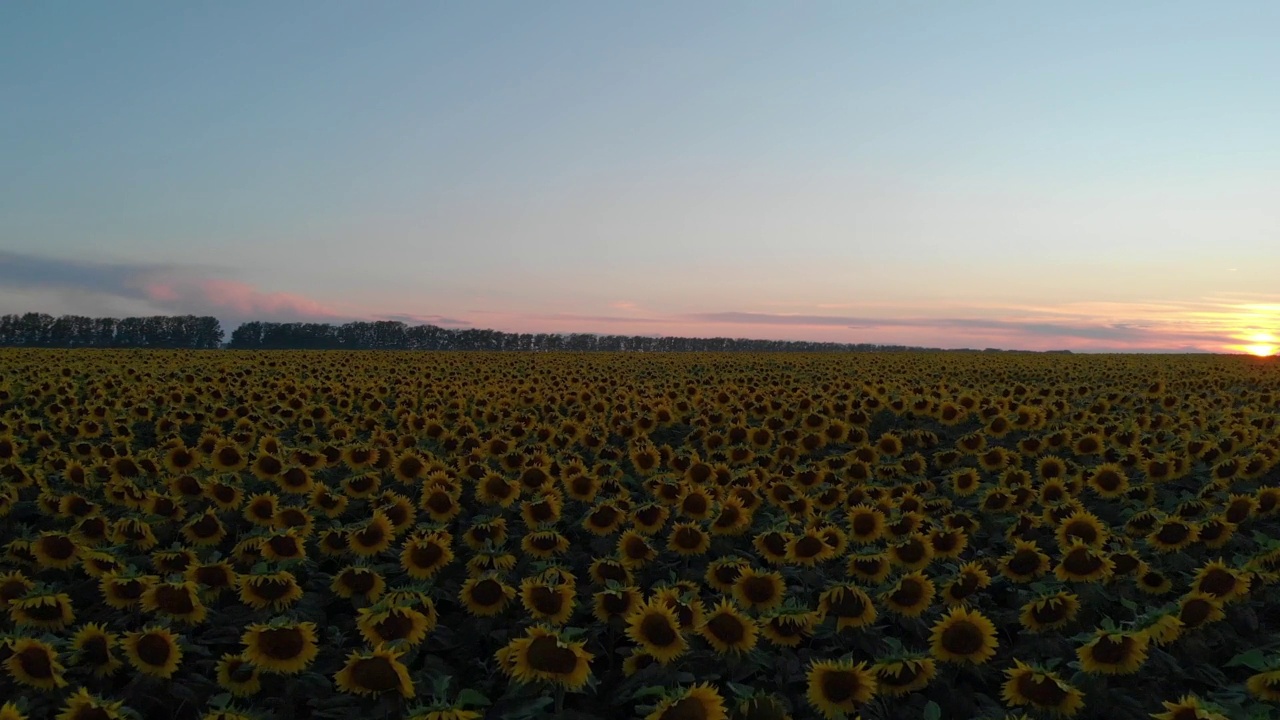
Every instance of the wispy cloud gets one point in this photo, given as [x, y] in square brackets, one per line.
[154, 287]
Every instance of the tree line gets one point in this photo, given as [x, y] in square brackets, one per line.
[205, 333]
[67, 331]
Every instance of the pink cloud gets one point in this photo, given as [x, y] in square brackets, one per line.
[243, 298]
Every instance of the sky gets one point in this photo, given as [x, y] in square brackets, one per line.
[1091, 176]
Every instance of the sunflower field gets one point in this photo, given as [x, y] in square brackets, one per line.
[454, 536]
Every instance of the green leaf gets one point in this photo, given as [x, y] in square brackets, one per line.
[219, 701]
[932, 711]
[1253, 659]
[472, 698]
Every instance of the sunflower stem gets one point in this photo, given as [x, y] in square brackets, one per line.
[559, 701]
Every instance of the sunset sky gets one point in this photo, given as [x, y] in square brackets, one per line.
[1085, 176]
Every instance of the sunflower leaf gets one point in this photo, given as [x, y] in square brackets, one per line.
[932, 711]
[1253, 659]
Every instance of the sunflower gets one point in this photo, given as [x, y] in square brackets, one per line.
[786, 627]
[486, 595]
[83, 705]
[238, 675]
[1153, 582]
[261, 509]
[615, 602]
[544, 508]
[910, 596]
[547, 600]
[913, 553]
[656, 629]
[1265, 685]
[544, 544]
[963, 636]
[1197, 609]
[965, 482]
[13, 585]
[902, 676]
[225, 495]
[700, 701]
[281, 647]
[227, 457]
[1109, 480]
[373, 672]
[634, 550]
[866, 524]
[178, 601]
[649, 518]
[153, 651]
[1028, 685]
[1188, 707]
[543, 655]
[723, 572]
[44, 610]
[55, 550]
[837, 688]
[759, 590]
[34, 663]
[1221, 581]
[733, 517]
[425, 555]
[1082, 526]
[1173, 534]
[373, 537]
[1049, 612]
[1084, 563]
[354, 582]
[850, 605]
[385, 625]
[1024, 563]
[1113, 653]
[134, 532]
[276, 590]
[872, 569]
[728, 630]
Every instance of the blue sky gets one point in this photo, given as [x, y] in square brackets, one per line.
[1084, 175]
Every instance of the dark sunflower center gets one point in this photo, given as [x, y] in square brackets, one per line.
[206, 527]
[809, 546]
[657, 630]
[546, 655]
[154, 649]
[727, 628]
[963, 638]
[1112, 651]
[228, 456]
[284, 546]
[846, 604]
[839, 686]
[396, 626]
[1041, 691]
[867, 566]
[282, 643]
[269, 465]
[775, 543]
[1195, 612]
[615, 603]
[175, 600]
[759, 590]
[58, 547]
[35, 661]
[487, 592]
[909, 594]
[546, 600]
[910, 552]
[1081, 562]
[695, 504]
[359, 582]
[727, 574]
[45, 612]
[689, 708]
[688, 538]
[376, 674]
[95, 650]
[604, 516]
[636, 548]
[1173, 533]
[371, 536]
[440, 502]
[1024, 562]
[1218, 582]
[426, 556]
